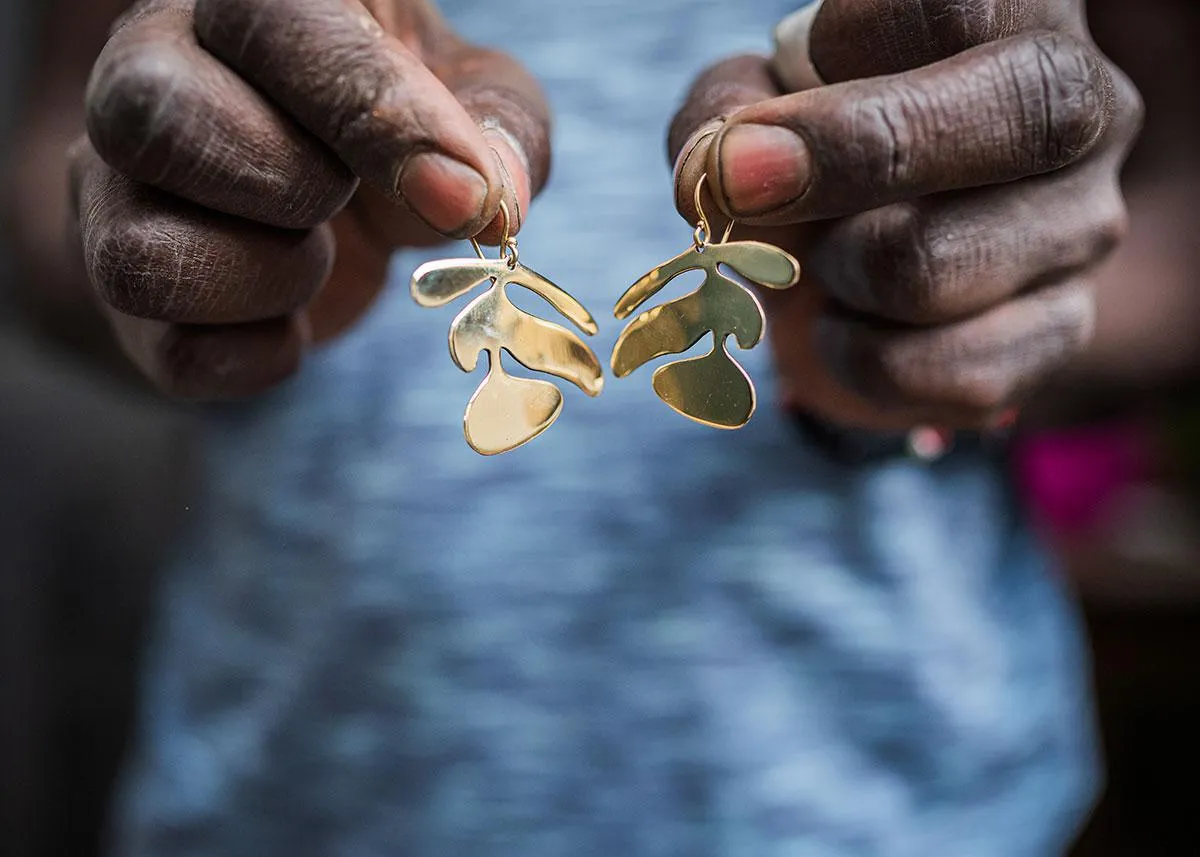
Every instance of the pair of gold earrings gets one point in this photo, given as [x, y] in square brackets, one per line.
[508, 411]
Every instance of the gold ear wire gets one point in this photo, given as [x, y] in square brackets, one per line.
[703, 232]
[508, 244]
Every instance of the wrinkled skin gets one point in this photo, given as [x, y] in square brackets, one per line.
[250, 166]
[951, 193]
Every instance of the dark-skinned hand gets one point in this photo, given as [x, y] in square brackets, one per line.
[950, 184]
[223, 221]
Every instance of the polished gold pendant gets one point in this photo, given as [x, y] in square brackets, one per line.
[714, 389]
[508, 411]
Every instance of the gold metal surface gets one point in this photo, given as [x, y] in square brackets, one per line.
[507, 411]
[714, 389]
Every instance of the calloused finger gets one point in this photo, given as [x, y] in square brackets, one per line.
[154, 256]
[978, 366]
[951, 256]
[369, 97]
[165, 112]
[994, 114]
[209, 363]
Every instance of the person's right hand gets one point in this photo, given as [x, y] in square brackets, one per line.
[947, 174]
[222, 220]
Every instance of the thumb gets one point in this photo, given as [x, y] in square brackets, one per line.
[498, 92]
[390, 95]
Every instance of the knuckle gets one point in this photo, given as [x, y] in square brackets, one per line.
[179, 368]
[162, 112]
[908, 280]
[985, 369]
[1110, 225]
[125, 256]
[204, 364]
[129, 94]
[934, 370]
[882, 138]
[957, 368]
[1063, 89]
[905, 368]
[187, 366]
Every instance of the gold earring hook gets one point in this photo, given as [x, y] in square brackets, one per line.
[703, 231]
[508, 242]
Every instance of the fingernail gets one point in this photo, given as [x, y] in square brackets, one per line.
[514, 172]
[695, 150]
[446, 194]
[761, 168]
[691, 161]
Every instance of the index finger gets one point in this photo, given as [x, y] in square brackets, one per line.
[366, 95]
[855, 39]
[994, 114]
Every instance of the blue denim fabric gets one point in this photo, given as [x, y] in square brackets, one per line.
[634, 636]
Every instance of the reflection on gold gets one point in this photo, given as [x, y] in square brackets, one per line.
[713, 389]
[507, 411]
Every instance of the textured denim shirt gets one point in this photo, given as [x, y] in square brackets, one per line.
[634, 636]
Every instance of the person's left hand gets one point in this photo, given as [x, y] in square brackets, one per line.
[949, 192]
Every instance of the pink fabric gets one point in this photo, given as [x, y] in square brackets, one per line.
[1072, 480]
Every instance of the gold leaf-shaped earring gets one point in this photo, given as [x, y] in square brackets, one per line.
[714, 389]
[507, 411]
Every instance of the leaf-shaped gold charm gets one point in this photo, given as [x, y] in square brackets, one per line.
[492, 321]
[653, 282]
[713, 389]
[507, 411]
[759, 263]
[437, 283]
